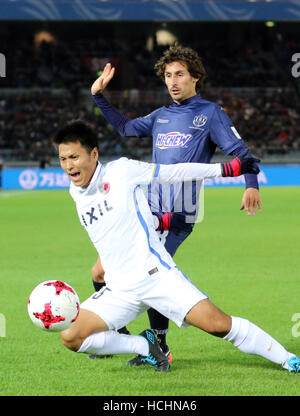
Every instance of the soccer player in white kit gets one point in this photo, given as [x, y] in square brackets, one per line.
[139, 272]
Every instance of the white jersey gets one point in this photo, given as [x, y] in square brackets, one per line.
[114, 211]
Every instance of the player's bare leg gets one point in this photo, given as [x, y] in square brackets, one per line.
[243, 334]
[90, 334]
[206, 316]
[86, 324]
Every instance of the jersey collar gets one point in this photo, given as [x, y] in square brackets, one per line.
[91, 184]
[96, 175]
[190, 100]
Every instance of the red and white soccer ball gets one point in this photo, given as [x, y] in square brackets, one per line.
[53, 305]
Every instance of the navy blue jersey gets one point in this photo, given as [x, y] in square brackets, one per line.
[185, 132]
[188, 132]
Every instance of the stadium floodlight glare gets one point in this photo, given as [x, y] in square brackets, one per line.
[269, 23]
[43, 36]
[164, 37]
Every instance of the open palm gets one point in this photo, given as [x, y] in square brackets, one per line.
[101, 83]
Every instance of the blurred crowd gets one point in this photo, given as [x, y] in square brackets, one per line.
[268, 121]
[51, 81]
[74, 65]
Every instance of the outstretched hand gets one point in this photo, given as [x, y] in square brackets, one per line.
[251, 198]
[101, 83]
[251, 201]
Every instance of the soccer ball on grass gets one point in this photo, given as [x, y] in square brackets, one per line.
[53, 305]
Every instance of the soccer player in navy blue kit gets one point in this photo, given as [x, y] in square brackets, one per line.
[189, 130]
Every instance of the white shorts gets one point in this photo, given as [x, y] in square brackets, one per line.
[169, 292]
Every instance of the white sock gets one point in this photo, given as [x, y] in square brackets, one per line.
[251, 339]
[111, 342]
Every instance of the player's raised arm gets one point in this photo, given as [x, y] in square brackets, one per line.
[101, 83]
[146, 173]
[188, 171]
[124, 126]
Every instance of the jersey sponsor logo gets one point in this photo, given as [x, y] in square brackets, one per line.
[89, 217]
[199, 121]
[172, 139]
[161, 120]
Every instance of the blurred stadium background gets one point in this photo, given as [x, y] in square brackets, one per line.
[54, 49]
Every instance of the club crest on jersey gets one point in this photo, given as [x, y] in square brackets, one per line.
[173, 139]
[199, 121]
[104, 187]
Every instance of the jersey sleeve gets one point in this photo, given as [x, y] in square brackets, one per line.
[140, 173]
[143, 173]
[182, 172]
[223, 133]
[119, 121]
[144, 125]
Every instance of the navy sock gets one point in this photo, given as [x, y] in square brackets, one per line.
[98, 285]
[161, 324]
[124, 330]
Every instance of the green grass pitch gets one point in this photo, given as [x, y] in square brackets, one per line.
[249, 266]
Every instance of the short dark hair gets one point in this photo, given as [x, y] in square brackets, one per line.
[179, 53]
[77, 130]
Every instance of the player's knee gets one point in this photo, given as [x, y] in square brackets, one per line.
[220, 326]
[98, 272]
[70, 340]
[206, 316]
